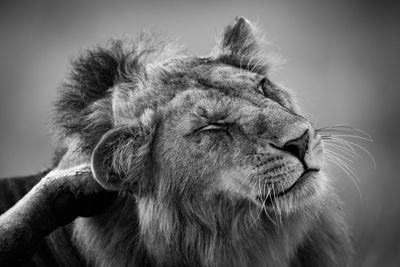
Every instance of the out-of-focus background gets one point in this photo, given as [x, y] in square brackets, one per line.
[341, 58]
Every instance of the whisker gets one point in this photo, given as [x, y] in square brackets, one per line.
[366, 138]
[273, 198]
[259, 188]
[360, 147]
[339, 142]
[345, 127]
[339, 155]
[259, 194]
[251, 213]
[350, 168]
[349, 174]
[341, 162]
[357, 130]
[342, 149]
[265, 208]
[349, 135]
[355, 136]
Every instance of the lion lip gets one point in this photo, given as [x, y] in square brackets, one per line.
[303, 178]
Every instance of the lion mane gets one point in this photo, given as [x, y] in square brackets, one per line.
[213, 162]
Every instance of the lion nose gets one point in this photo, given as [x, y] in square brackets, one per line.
[298, 147]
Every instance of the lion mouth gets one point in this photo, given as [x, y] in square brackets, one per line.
[303, 179]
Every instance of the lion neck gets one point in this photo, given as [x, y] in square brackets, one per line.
[220, 233]
[208, 234]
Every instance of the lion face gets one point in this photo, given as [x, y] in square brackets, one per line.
[196, 129]
[241, 138]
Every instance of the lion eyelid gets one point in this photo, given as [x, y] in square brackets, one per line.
[212, 126]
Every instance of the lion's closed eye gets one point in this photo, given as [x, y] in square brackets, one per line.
[214, 128]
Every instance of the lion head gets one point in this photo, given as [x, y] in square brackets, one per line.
[201, 128]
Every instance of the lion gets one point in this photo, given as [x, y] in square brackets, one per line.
[212, 162]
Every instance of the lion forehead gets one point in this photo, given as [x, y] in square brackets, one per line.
[220, 75]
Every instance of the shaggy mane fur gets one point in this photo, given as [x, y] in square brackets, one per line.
[84, 106]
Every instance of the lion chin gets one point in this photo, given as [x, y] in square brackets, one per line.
[213, 162]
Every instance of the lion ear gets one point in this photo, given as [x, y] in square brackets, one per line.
[240, 39]
[121, 160]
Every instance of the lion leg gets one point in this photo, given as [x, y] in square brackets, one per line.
[60, 197]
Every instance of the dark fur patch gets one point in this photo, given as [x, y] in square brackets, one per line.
[92, 75]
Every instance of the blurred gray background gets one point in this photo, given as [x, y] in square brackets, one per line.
[341, 59]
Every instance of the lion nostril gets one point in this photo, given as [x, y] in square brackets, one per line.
[298, 147]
